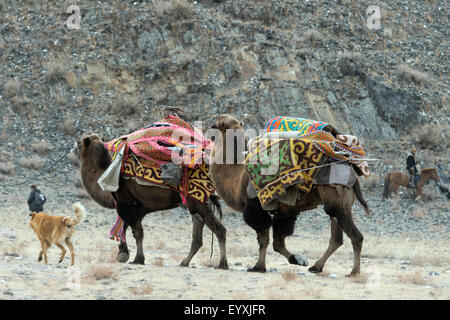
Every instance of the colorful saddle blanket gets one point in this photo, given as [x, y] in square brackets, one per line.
[302, 126]
[342, 147]
[168, 140]
[275, 165]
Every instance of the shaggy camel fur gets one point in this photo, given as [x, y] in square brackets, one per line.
[231, 181]
[133, 201]
[56, 229]
[393, 180]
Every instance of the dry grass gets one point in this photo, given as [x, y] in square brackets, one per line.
[289, 275]
[176, 9]
[158, 261]
[413, 278]
[418, 213]
[12, 88]
[145, 289]
[127, 105]
[311, 37]
[56, 68]
[408, 74]
[41, 147]
[68, 127]
[7, 168]
[100, 272]
[35, 162]
[432, 136]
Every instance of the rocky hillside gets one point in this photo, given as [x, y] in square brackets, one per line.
[256, 59]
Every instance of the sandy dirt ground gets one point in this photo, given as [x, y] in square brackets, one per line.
[403, 265]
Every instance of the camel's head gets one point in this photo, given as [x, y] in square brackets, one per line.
[91, 146]
[226, 121]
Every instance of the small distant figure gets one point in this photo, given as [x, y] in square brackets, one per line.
[36, 200]
[411, 167]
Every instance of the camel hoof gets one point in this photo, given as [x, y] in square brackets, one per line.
[184, 264]
[314, 269]
[298, 259]
[223, 266]
[138, 261]
[254, 269]
[123, 257]
[352, 275]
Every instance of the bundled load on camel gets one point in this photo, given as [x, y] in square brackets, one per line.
[170, 153]
[294, 154]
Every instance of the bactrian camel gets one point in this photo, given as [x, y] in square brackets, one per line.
[231, 181]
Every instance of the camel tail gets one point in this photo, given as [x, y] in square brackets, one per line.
[79, 211]
[215, 200]
[360, 197]
[386, 186]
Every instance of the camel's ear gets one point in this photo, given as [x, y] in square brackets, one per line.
[242, 124]
[86, 141]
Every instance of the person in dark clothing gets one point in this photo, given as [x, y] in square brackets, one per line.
[36, 200]
[411, 167]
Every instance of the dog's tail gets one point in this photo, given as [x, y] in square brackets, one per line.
[79, 214]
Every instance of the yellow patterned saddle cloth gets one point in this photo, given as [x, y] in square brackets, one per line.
[274, 165]
[195, 183]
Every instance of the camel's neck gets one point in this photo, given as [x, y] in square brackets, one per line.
[230, 179]
[91, 170]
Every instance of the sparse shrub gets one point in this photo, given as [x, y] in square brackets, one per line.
[350, 63]
[311, 37]
[159, 262]
[176, 9]
[35, 162]
[289, 275]
[145, 289]
[7, 168]
[416, 278]
[126, 105]
[56, 68]
[100, 272]
[431, 136]
[69, 127]
[41, 147]
[12, 88]
[406, 73]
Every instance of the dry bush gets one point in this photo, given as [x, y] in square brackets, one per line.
[68, 127]
[41, 147]
[7, 168]
[413, 278]
[432, 136]
[159, 262]
[160, 245]
[56, 68]
[406, 73]
[371, 181]
[311, 37]
[176, 9]
[145, 289]
[127, 105]
[35, 162]
[289, 275]
[100, 272]
[12, 88]
[350, 63]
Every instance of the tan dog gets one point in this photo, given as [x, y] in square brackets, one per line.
[55, 229]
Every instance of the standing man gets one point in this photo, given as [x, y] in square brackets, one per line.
[36, 200]
[411, 167]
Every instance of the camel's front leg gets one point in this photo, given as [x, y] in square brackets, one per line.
[138, 233]
[283, 227]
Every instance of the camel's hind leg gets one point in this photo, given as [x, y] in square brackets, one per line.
[219, 230]
[138, 233]
[336, 241]
[283, 226]
[338, 205]
[197, 238]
